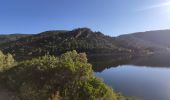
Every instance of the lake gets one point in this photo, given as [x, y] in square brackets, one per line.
[145, 77]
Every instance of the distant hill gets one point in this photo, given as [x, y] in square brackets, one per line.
[57, 42]
[156, 41]
[11, 37]
[84, 40]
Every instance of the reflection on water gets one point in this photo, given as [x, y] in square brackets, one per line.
[145, 82]
[144, 77]
[102, 62]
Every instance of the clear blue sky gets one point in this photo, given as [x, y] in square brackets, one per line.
[112, 17]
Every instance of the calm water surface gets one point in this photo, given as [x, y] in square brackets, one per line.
[148, 79]
[147, 83]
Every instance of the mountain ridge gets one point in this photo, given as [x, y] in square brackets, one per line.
[158, 39]
[85, 40]
[57, 42]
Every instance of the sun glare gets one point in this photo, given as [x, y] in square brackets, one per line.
[166, 8]
[167, 5]
[163, 7]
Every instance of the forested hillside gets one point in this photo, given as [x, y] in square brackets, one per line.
[152, 40]
[11, 37]
[84, 40]
[57, 42]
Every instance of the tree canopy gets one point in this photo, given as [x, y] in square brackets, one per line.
[66, 77]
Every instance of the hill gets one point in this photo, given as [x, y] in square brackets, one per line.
[57, 42]
[156, 41]
[11, 37]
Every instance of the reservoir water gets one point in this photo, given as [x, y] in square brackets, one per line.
[147, 78]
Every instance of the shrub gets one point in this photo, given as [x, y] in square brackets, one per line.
[67, 77]
[6, 61]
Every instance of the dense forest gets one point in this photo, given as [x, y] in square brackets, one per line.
[66, 77]
[58, 42]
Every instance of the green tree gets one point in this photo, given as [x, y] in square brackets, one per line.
[67, 77]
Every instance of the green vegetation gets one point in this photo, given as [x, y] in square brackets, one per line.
[58, 42]
[67, 77]
[12, 37]
[6, 61]
[152, 41]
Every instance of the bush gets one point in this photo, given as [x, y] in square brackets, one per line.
[6, 61]
[67, 77]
